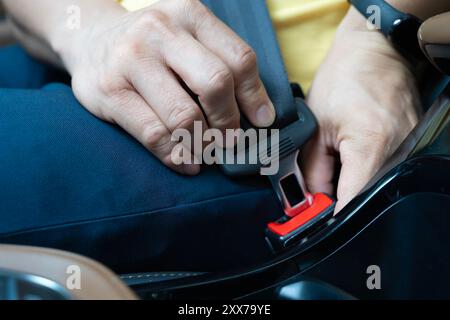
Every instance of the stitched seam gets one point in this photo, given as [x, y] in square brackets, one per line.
[159, 275]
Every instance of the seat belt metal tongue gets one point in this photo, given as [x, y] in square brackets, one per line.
[290, 186]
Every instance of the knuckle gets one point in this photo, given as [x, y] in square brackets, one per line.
[202, 17]
[189, 4]
[154, 20]
[246, 61]
[153, 136]
[226, 120]
[132, 47]
[248, 89]
[192, 8]
[110, 85]
[220, 81]
[183, 117]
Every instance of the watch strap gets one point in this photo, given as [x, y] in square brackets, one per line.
[389, 15]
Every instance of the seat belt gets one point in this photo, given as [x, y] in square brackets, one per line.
[250, 19]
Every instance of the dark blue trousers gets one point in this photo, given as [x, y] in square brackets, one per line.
[71, 181]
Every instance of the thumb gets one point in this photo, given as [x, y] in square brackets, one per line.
[317, 161]
[359, 164]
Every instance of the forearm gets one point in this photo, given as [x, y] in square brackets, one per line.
[43, 26]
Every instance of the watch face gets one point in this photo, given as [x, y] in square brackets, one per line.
[404, 36]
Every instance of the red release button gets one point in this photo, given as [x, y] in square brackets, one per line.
[319, 204]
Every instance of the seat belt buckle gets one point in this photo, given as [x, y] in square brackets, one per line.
[304, 213]
[300, 223]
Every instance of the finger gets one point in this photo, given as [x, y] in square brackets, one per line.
[172, 104]
[208, 77]
[251, 95]
[136, 117]
[359, 164]
[318, 164]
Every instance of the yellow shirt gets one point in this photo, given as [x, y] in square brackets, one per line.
[305, 30]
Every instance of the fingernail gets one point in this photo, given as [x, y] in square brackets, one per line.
[265, 115]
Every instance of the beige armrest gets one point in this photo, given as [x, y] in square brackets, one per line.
[96, 281]
[434, 38]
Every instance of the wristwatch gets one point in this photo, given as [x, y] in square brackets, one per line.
[399, 27]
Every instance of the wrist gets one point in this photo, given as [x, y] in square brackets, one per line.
[69, 42]
[355, 33]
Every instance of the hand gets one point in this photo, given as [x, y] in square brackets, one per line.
[132, 69]
[365, 99]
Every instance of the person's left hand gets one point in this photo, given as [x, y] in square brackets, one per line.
[365, 99]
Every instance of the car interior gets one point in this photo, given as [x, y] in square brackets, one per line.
[399, 222]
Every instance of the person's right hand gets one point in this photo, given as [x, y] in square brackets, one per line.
[366, 105]
[132, 70]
